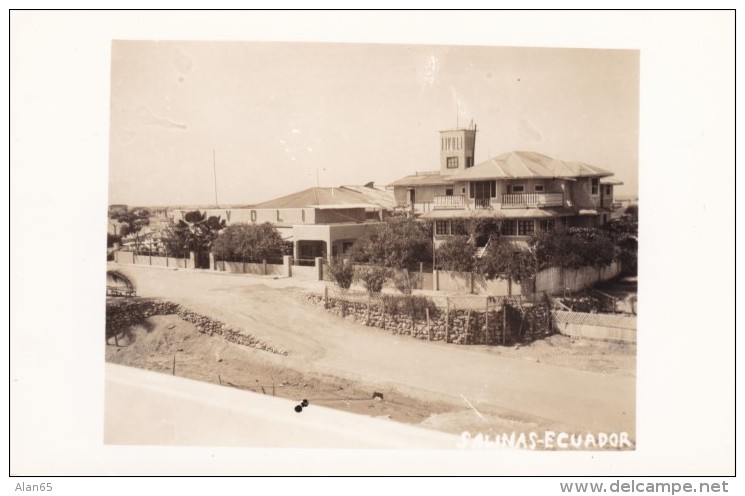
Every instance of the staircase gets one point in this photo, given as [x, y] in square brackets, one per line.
[480, 250]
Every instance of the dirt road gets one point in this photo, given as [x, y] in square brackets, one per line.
[321, 343]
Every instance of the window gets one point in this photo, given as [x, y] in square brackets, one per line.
[469, 162]
[547, 224]
[442, 228]
[607, 190]
[525, 227]
[303, 211]
[279, 217]
[517, 188]
[539, 188]
[482, 189]
[452, 163]
[594, 186]
[509, 228]
[449, 192]
[253, 215]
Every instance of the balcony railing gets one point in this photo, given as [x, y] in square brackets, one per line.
[451, 201]
[482, 202]
[607, 202]
[517, 200]
[421, 208]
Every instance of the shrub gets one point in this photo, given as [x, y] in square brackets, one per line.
[415, 306]
[406, 281]
[456, 254]
[342, 273]
[373, 278]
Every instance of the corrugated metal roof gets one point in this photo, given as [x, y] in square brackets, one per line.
[522, 165]
[375, 194]
[315, 197]
[423, 180]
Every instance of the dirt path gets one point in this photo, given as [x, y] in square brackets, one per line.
[323, 344]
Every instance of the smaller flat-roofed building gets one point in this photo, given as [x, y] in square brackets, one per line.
[320, 222]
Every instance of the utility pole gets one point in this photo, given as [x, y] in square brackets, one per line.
[214, 171]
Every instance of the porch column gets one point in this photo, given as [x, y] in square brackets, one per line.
[329, 249]
[287, 265]
[295, 249]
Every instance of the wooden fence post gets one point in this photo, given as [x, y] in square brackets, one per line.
[383, 325]
[504, 323]
[367, 315]
[326, 297]
[447, 319]
[468, 324]
[486, 322]
[429, 326]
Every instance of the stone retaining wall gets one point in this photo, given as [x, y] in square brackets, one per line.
[458, 326]
[124, 313]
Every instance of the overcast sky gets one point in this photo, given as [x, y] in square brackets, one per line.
[281, 116]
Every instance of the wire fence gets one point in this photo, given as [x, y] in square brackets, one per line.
[453, 319]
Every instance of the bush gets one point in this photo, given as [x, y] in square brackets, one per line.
[406, 281]
[456, 254]
[415, 306]
[343, 274]
[373, 278]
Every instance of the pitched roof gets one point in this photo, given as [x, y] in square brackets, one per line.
[522, 165]
[321, 197]
[430, 179]
[375, 194]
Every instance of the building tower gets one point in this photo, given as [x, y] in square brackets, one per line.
[457, 147]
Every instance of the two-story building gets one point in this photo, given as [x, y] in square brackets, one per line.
[524, 191]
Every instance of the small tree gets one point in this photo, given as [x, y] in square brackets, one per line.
[374, 278]
[502, 260]
[624, 232]
[456, 254]
[399, 243]
[573, 248]
[342, 273]
[249, 242]
[132, 221]
[405, 281]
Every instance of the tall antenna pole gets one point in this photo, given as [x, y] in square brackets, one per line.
[214, 171]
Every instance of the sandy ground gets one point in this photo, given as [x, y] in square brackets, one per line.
[213, 359]
[556, 383]
[167, 344]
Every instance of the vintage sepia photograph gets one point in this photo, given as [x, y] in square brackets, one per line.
[371, 243]
[381, 246]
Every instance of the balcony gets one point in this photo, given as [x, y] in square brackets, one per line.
[482, 202]
[522, 200]
[449, 202]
